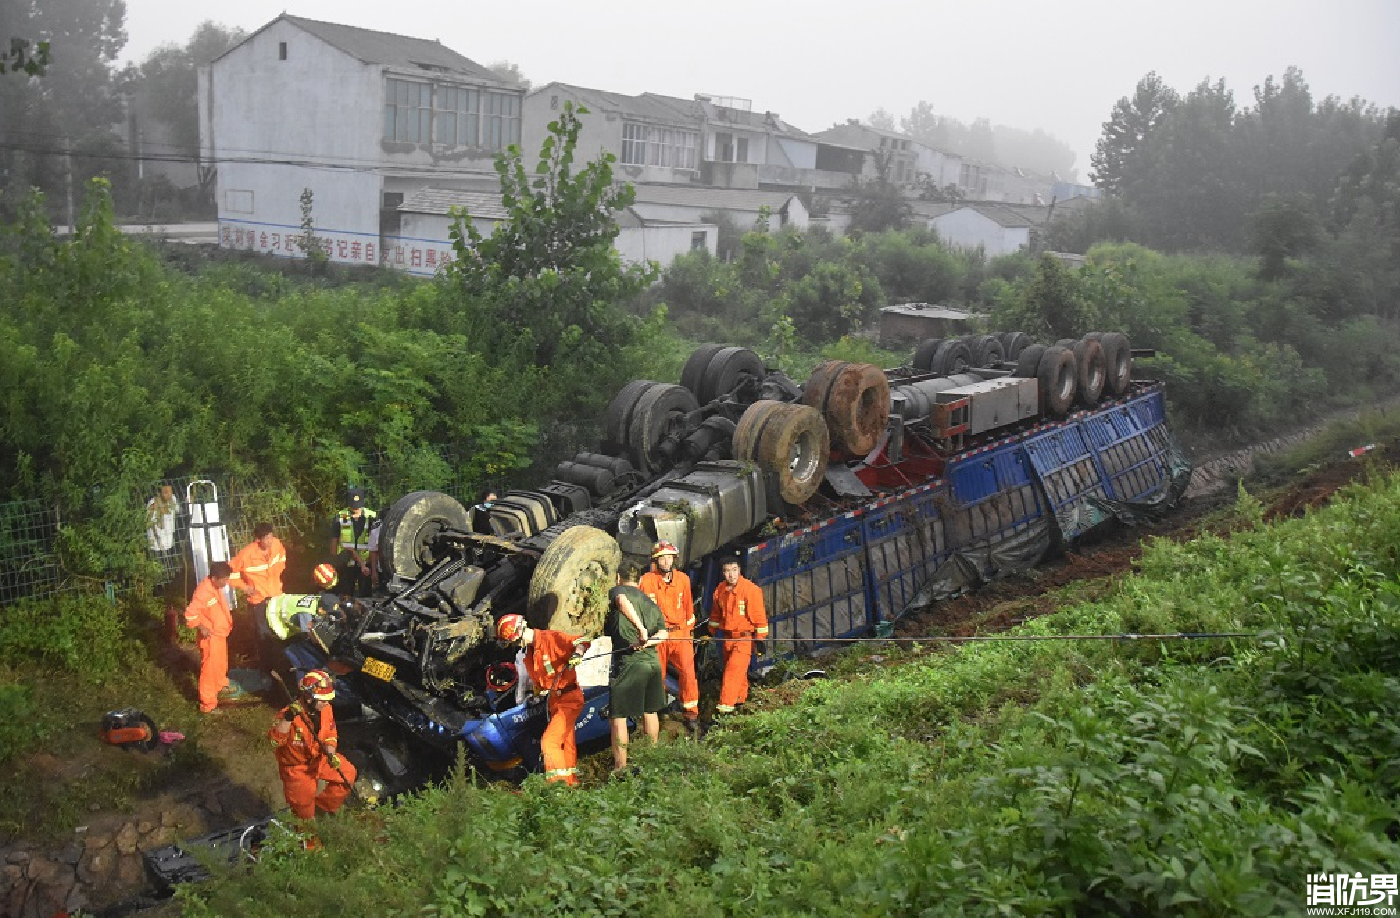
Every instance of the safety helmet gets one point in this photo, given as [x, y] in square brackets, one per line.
[502, 677]
[664, 548]
[510, 627]
[325, 576]
[318, 684]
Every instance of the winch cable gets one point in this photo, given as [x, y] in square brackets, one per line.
[961, 639]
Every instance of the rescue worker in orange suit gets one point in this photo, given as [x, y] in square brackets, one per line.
[550, 659]
[670, 589]
[209, 615]
[257, 571]
[305, 742]
[737, 611]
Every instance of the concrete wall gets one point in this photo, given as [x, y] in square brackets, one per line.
[662, 244]
[942, 168]
[967, 229]
[319, 103]
[746, 217]
[601, 133]
[260, 210]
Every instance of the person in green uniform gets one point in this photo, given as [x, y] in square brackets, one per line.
[636, 626]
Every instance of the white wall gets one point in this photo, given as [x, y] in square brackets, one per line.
[967, 229]
[260, 210]
[662, 244]
[692, 213]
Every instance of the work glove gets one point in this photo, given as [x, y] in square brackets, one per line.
[761, 647]
[292, 713]
[334, 759]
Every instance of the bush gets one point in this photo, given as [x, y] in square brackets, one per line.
[78, 632]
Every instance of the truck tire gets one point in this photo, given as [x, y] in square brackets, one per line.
[923, 354]
[726, 370]
[854, 400]
[1028, 361]
[659, 413]
[986, 350]
[953, 356]
[1056, 376]
[409, 527]
[746, 432]
[794, 445]
[1013, 343]
[1089, 372]
[693, 373]
[569, 587]
[617, 420]
[1118, 362]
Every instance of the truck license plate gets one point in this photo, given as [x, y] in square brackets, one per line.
[378, 669]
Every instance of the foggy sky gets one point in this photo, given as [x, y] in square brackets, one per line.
[1024, 63]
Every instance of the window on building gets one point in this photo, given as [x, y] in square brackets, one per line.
[643, 145]
[698, 240]
[407, 111]
[500, 120]
[724, 147]
[457, 116]
[281, 50]
[741, 154]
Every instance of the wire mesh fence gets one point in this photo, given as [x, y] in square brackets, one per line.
[29, 564]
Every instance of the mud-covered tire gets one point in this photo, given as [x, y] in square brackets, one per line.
[1066, 343]
[408, 528]
[854, 399]
[1056, 376]
[693, 373]
[1013, 343]
[1089, 372]
[986, 350]
[746, 432]
[1028, 361]
[569, 587]
[1118, 362]
[953, 356]
[659, 412]
[789, 441]
[617, 419]
[923, 354]
[725, 371]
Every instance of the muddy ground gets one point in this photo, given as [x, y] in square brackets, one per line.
[233, 780]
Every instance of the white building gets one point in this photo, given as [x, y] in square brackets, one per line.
[428, 214]
[360, 118]
[995, 229]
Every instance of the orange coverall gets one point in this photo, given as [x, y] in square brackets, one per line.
[547, 663]
[209, 608]
[301, 764]
[678, 606]
[738, 611]
[259, 573]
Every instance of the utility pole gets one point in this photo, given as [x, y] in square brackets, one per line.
[68, 182]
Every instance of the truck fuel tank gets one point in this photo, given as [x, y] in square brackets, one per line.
[713, 505]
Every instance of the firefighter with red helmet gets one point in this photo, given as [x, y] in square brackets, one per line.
[305, 745]
[669, 588]
[550, 660]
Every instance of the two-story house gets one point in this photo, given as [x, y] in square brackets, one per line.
[361, 119]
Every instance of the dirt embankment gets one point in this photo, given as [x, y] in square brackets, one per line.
[101, 864]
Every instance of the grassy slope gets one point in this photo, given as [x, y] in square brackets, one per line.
[1031, 778]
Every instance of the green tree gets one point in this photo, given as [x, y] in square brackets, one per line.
[71, 108]
[881, 120]
[1285, 228]
[546, 285]
[877, 204]
[1117, 155]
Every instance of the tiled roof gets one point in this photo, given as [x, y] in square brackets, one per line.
[482, 205]
[1000, 214]
[388, 48]
[648, 106]
[717, 198]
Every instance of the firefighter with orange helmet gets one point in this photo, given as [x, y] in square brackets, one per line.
[669, 588]
[305, 744]
[550, 659]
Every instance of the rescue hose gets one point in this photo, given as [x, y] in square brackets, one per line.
[312, 729]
